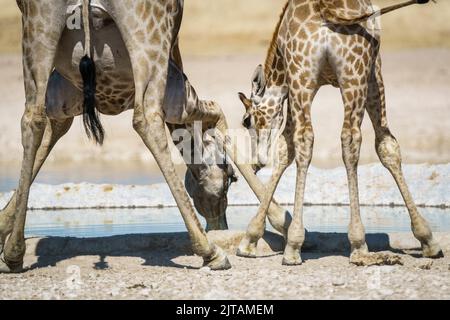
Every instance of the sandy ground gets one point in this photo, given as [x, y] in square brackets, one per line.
[162, 267]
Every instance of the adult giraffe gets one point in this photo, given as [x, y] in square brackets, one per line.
[316, 43]
[137, 66]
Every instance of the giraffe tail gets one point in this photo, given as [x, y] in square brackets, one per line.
[336, 17]
[91, 120]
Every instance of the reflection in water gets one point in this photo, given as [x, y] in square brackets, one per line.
[103, 223]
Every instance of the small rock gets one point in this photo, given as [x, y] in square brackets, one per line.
[426, 265]
[338, 282]
[114, 292]
[137, 286]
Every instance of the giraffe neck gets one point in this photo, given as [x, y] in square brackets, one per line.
[274, 69]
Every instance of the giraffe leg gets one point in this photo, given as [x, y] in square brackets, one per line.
[149, 124]
[303, 138]
[351, 140]
[279, 217]
[150, 64]
[209, 111]
[389, 153]
[255, 230]
[54, 130]
[39, 48]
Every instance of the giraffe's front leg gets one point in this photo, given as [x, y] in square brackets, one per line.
[209, 111]
[150, 64]
[279, 217]
[149, 124]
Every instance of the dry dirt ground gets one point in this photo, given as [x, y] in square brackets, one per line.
[161, 267]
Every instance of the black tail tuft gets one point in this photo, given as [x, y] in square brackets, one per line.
[91, 121]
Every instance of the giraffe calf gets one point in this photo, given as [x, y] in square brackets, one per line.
[309, 51]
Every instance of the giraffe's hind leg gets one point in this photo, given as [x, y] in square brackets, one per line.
[389, 153]
[39, 48]
[54, 130]
[63, 102]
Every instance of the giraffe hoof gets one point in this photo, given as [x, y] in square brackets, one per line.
[291, 256]
[218, 262]
[292, 262]
[6, 267]
[432, 250]
[247, 248]
[245, 253]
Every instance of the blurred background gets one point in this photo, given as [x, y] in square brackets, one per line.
[222, 41]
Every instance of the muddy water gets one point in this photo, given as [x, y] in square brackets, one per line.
[103, 223]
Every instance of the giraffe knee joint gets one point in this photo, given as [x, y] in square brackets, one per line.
[33, 119]
[389, 153]
[139, 124]
[305, 152]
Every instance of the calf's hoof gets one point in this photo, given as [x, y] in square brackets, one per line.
[292, 262]
[246, 249]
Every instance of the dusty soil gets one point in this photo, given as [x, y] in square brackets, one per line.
[152, 267]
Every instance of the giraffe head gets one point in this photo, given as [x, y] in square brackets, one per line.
[264, 115]
[208, 186]
[208, 183]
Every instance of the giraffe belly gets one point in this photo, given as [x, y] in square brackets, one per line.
[115, 82]
[63, 100]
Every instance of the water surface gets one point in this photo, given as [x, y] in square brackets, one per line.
[107, 222]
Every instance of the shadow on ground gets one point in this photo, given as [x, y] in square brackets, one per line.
[162, 249]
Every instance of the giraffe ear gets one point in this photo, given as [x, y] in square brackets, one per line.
[246, 101]
[258, 82]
